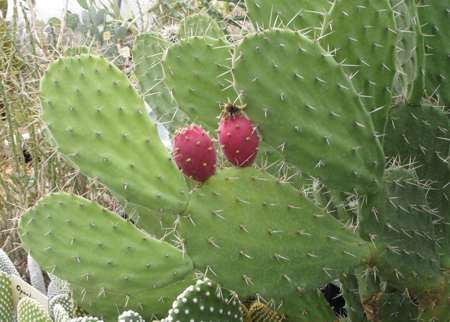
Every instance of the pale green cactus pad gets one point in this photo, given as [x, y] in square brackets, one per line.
[101, 125]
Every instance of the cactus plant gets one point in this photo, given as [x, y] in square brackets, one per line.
[321, 91]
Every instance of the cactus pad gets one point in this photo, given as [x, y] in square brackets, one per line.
[29, 310]
[418, 137]
[291, 84]
[6, 305]
[147, 55]
[366, 50]
[434, 19]
[82, 242]
[199, 25]
[307, 16]
[244, 216]
[6, 265]
[130, 316]
[397, 223]
[101, 125]
[205, 300]
[60, 314]
[155, 303]
[198, 71]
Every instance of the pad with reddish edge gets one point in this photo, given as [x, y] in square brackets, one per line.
[237, 136]
[194, 153]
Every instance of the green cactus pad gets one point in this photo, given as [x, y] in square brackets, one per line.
[391, 307]
[6, 306]
[410, 50]
[418, 137]
[361, 35]
[100, 124]
[130, 316]
[368, 281]
[149, 305]
[302, 15]
[199, 25]
[198, 72]
[205, 301]
[353, 304]
[401, 231]
[241, 220]
[434, 19]
[29, 310]
[306, 106]
[305, 306]
[82, 242]
[147, 55]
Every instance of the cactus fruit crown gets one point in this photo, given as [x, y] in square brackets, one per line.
[231, 110]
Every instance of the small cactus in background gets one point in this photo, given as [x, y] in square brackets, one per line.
[333, 90]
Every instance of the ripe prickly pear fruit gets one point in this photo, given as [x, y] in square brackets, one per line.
[237, 136]
[194, 153]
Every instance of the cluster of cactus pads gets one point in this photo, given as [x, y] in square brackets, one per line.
[353, 94]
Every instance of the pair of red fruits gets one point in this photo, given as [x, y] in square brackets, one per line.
[194, 152]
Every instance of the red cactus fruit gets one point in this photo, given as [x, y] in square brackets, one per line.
[194, 153]
[237, 136]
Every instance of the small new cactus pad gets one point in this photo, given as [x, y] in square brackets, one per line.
[197, 70]
[90, 246]
[194, 153]
[397, 223]
[296, 15]
[238, 138]
[366, 51]
[155, 303]
[147, 55]
[29, 310]
[101, 125]
[6, 305]
[289, 82]
[199, 25]
[246, 216]
[130, 316]
[410, 50]
[418, 137]
[206, 301]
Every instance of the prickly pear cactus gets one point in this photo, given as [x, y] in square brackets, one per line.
[335, 92]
